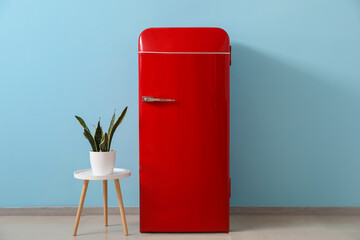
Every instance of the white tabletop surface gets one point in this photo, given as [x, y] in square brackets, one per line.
[86, 174]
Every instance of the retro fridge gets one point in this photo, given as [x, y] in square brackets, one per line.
[184, 130]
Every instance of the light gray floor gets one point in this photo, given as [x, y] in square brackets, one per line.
[241, 227]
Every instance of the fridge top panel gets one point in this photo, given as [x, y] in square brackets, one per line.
[184, 40]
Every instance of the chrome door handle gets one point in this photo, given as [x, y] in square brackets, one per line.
[152, 99]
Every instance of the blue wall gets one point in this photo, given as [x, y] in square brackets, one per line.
[295, 95]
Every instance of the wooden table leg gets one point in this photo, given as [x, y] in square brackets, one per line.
[121, 206]
[105, 202]
[81, 204]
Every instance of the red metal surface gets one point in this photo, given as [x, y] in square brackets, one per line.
[184, 40]
[184, 145]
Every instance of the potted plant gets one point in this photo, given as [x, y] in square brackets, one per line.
[102, 158]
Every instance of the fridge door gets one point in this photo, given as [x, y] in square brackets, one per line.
[184, 131]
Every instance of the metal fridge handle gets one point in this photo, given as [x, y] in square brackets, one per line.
[152, 99]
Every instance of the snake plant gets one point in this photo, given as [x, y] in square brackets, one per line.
[100, 141]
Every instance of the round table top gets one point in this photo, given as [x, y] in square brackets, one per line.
[86, 174]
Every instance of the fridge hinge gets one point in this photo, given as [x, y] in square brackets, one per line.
[229, 187]
[230, 55]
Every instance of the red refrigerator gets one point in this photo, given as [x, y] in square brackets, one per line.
[184, 130]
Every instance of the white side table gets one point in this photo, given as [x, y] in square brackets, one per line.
[87, 175]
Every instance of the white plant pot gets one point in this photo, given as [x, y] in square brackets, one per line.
[102, 163]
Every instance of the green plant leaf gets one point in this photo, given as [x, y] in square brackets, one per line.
[82, 122]
[91, 140]
[116, 124]
[112, 122]
[107, 142]
[98, 135]
[104, 143]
